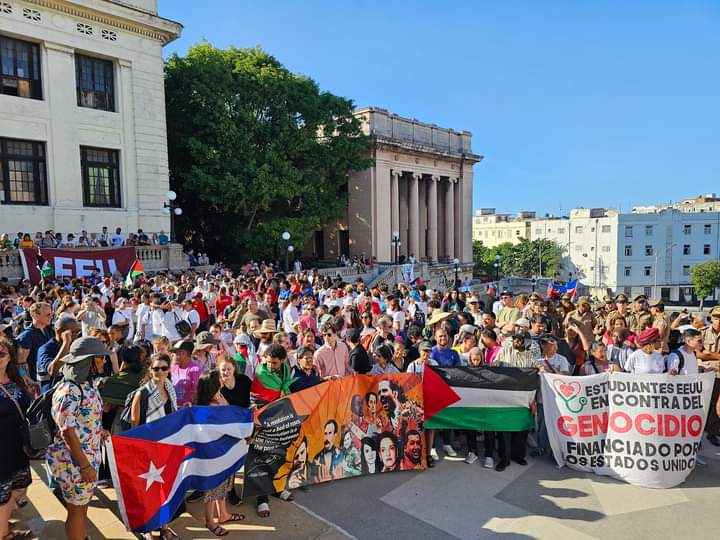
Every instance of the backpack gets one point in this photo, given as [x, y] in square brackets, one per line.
[680, 356]
[126, 414]
[41, 427]
[182, 326]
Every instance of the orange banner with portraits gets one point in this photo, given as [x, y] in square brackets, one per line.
[341, 428]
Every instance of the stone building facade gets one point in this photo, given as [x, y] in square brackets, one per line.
[82, 115]
[419, 186]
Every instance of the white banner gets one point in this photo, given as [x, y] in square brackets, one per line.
[643, 429]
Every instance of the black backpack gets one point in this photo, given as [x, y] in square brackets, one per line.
[126, 414]
[680, 355]
[41, 427]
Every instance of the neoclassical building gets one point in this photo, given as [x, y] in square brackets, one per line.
[420, 186]
[82, 115]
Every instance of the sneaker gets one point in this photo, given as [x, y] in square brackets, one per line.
[488, 463]
[449, 450]
[434, 455]
[471, 458]
[537, 452]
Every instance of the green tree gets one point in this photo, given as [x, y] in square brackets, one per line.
[256, 150]
[521, 260]
[705, 278]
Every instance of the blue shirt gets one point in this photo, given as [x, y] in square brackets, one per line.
[46, 354]
[163, 239]
[445, 357]
[32, 339]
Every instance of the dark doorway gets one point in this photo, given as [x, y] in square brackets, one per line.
[320, 244]
[344, 243]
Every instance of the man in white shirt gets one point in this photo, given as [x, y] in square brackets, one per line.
[118, 238]
[144, 319]
[291, 315]
[683, 361]
[191, 316]
[164, 319]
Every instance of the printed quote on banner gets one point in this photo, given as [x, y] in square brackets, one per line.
[342, 428]
[643, 429]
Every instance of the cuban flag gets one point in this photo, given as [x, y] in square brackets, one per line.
[555, 291]
[154, 465]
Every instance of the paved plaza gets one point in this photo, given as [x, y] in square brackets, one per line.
[453, 500]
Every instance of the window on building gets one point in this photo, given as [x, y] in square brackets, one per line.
[606, 228]
[627, 291]
[23, 177]
[606, 249]
[628, 271]
[538, 231]
[649, 251]
[707, 228]
[20, 71]
[628, 251]
[686, 270]
[647, 270]
[628, 231]
[686, 249]
[648, 230]
[578, 229]
[687, 229]
[95, 83]
[706, 249]
[101, 177]
[647, 291]
[561, 230]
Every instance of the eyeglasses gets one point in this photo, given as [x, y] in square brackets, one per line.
[329, 335]
[160, 368]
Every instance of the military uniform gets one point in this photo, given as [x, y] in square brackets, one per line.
[711, 343]
[662, 323]
[585, 321]
[639, 320]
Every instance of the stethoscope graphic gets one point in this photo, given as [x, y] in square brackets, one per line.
[581, 402]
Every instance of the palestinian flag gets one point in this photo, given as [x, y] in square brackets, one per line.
[136, 270]
[268, 386]
[45, 268]
[486, 399]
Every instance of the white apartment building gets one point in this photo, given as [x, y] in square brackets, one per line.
[639, 252]
[82, 115]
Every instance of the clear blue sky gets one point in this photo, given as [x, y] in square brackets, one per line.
[575, 103]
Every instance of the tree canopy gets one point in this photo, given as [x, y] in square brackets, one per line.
[705, 278]
[256, 150]
[521, 260]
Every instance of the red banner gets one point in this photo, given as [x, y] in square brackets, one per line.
[78, 263]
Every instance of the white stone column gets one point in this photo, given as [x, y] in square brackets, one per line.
[414, 211]
[395, 201]
[433, 220]
[450, 218]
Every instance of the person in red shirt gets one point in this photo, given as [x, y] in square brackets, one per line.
[201, 307]
[223, 301]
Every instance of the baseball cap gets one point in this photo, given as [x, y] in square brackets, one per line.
[183, 345]
[425, 346]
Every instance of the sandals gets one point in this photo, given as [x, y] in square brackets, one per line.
[217, 530]
[234, 518]
[263, 510]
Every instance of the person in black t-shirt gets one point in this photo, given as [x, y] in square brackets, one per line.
[359, 359]
[235, 386]
[304, 372]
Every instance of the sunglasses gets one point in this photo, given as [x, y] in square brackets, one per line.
[328, 335]
[160, 368]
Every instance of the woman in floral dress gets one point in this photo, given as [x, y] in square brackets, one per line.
[74, 456]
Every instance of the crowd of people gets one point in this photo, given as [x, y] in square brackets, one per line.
[115, 357]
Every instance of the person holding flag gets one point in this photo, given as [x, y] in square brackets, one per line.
[136, 270]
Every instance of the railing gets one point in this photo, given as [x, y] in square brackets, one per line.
[153, 259]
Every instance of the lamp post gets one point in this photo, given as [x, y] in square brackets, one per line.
[456, 262]
[290, 250]
[497, 269]
[286, 239]
[169, 208]
[396, 243]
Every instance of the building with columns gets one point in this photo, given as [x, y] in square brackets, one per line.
[82, 115]
[420, 186]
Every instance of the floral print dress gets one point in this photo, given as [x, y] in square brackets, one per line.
[86, 417]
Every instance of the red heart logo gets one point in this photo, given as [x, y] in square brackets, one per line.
[567, 390]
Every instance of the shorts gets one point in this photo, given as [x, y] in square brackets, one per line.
[78, 494]
[19, 480]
